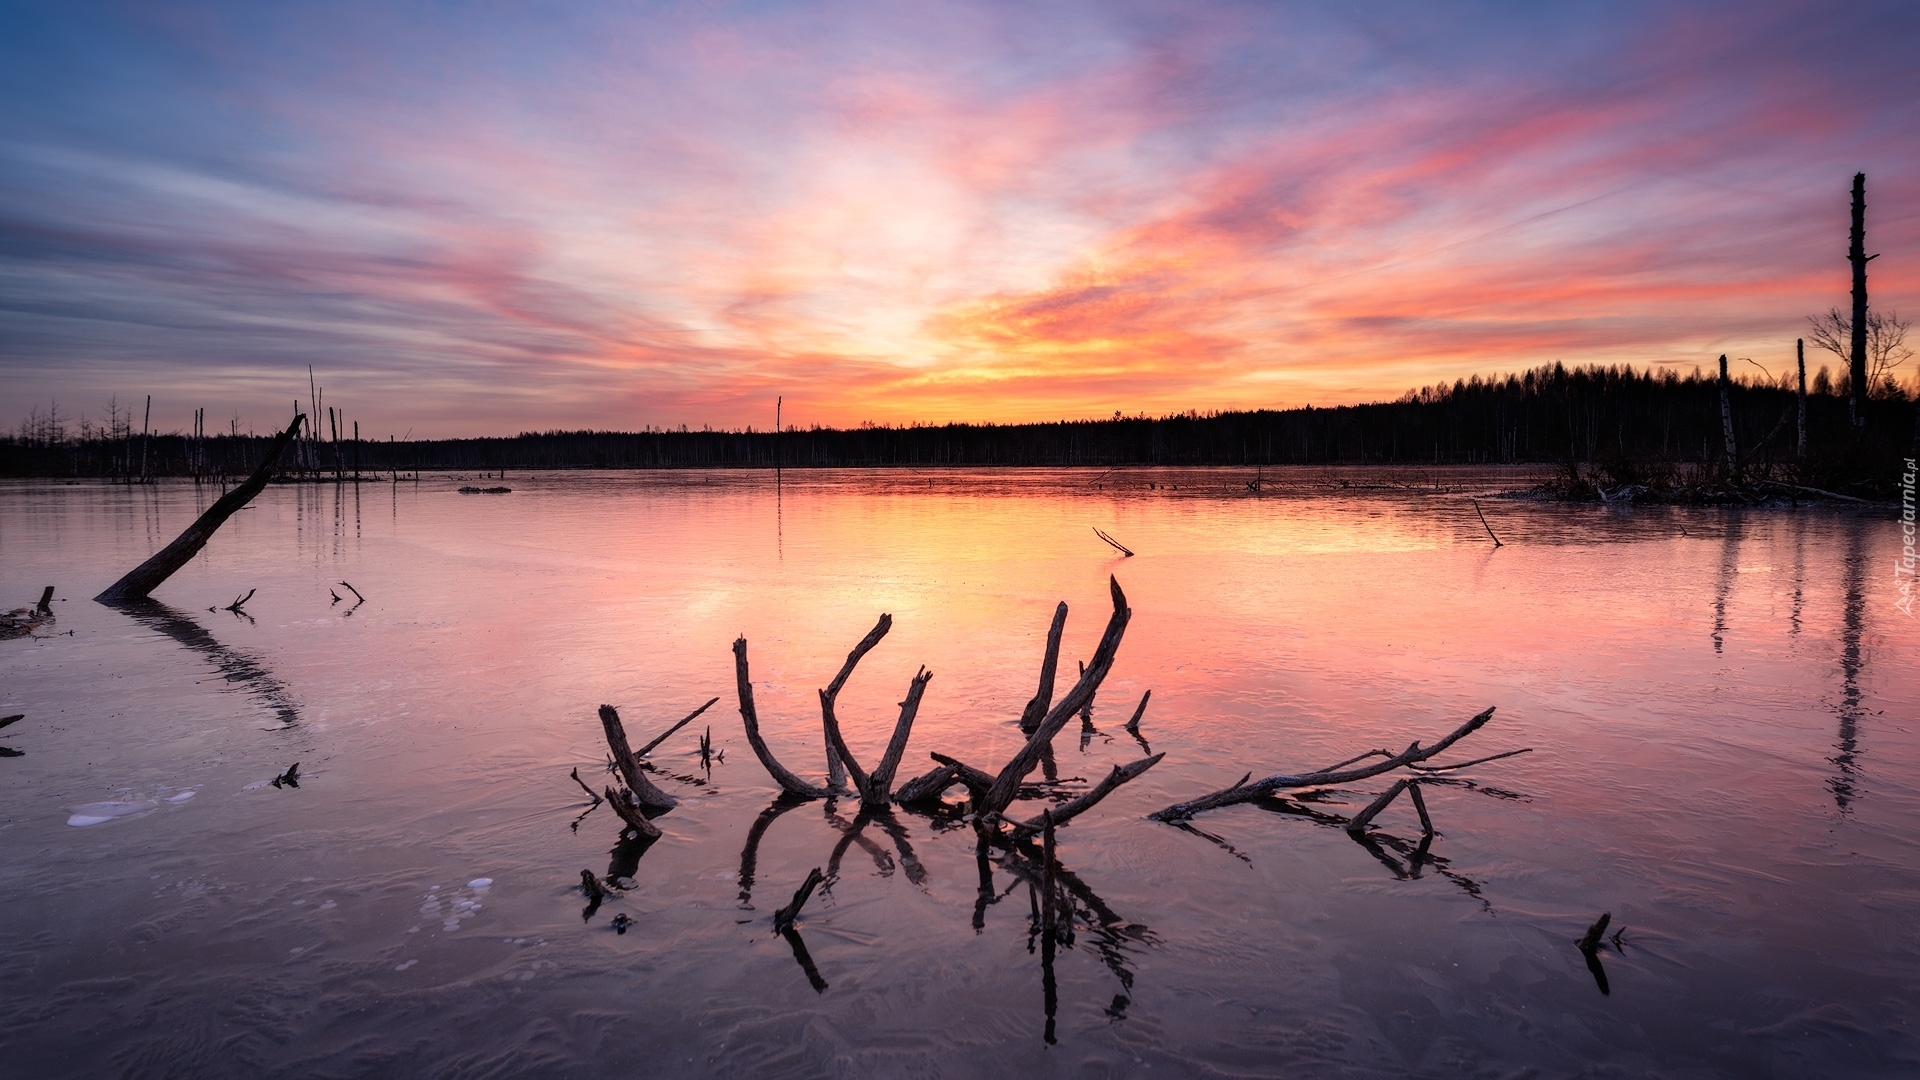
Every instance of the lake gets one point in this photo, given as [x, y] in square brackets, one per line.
[1720, 706]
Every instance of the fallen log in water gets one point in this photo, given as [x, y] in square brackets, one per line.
[1330, 776]
[143, 579]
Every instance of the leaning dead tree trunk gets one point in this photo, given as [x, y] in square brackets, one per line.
[143, 579]
[1410, 758]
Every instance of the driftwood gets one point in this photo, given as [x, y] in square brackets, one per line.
[875, 788]
[583, 787]
[290, 778]
[1327, 777]
[1133, 725]
[839, 758]
[1484, 525]
[628, 763]
[1117, 545]
[928, 785]
[880, 782]
[1042, 700]
[783, 919]
[749, 717]
[143, 579]
[1007, 784]
[1590, 947]
[1061, 815]
[9, 721]
[647, 749]
[628, 808]
[978, 781]
[1042, 720]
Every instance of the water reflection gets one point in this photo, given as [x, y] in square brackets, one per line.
[1112, 936]
[1723, 585]
[1853, 618]
[235, 666]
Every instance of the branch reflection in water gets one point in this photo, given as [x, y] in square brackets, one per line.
[235, 666]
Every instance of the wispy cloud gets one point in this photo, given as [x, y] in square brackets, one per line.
[615, 216]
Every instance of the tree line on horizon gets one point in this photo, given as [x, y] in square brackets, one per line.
[1612, 416]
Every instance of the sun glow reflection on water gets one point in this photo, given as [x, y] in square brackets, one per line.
[1719, 705]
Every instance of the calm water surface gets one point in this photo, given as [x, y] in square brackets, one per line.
[1721, 708]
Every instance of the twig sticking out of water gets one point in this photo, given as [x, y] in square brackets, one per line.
[1484, 525]
[1590, 947]
[583, 787]
[783, 919]
[1042, 699]
[355, 592]
[290, 778]
[45, 606]
[238, 607]
[1591, 941]
[628, 808]
[1133, 725]
[7, 721]
[1360, 820]
[880, 781]
[1122, 548]
[647, 749]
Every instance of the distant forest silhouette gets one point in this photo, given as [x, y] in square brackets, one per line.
[1596, 416]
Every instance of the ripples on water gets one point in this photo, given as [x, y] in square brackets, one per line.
[1720, 704]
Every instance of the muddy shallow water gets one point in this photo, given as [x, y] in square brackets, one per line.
[1721, 707]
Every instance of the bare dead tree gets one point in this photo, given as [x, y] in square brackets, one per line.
[1886, 343]
[143, 579]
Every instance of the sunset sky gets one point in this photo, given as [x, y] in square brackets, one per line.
[488, 218]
